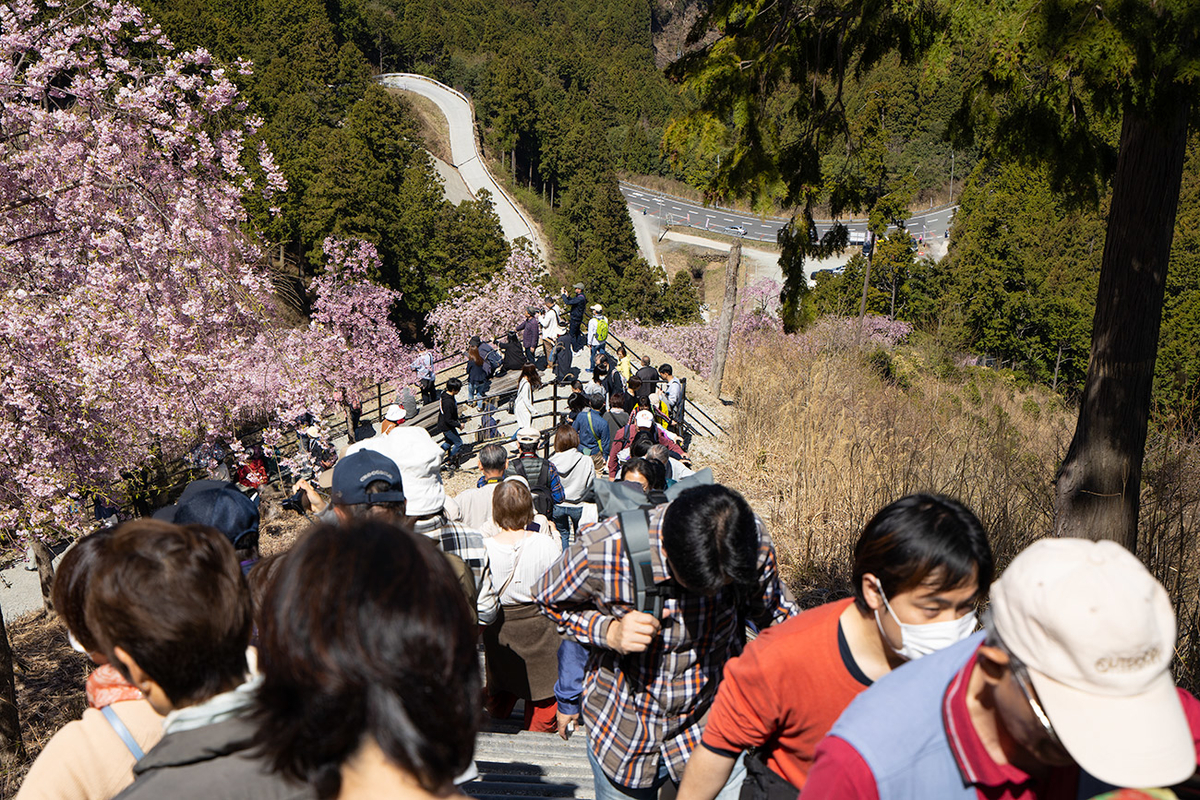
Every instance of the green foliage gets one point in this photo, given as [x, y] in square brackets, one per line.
[1177, 370]
[778, 85]
[351, 153]
[1020, 280]
[680, 303]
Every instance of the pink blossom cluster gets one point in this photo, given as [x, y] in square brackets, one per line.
[136, 318]
[491, 308]
[695, 345]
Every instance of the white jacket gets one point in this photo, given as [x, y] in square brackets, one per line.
[523, 407]
[576, 471]
[551, 328]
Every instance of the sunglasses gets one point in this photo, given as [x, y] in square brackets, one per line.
[1021, 676]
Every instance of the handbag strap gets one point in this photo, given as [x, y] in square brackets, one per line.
[123, 732]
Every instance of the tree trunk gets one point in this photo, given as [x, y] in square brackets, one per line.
[1057, 364]
[43, 556]
[12, 748]
[514, 163]
[727, 309]
[1099, 482]
[862, 308]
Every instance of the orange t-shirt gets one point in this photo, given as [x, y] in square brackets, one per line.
[787, 689]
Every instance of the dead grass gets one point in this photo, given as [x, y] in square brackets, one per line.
[435, 130]
[49, 677]
[825, 439]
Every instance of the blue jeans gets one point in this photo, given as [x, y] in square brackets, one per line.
[476, 390]
[563, 517]
[596, 350]
[453, 442]
[606, 789]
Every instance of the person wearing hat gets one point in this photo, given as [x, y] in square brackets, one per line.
[539, 473]
[1067, 693]
[393, 417]
[368, 484]
[530, 330]
[642, 420]
[576, 303]
[597, 335]
[229, 511]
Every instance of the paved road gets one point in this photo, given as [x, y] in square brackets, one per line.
[677, 211]
[464, 149]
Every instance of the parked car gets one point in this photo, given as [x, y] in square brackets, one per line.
[737, 230]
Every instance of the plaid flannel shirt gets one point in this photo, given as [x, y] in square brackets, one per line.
[453, 537]
[651, 705]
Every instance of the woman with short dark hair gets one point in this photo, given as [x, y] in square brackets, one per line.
[370, 677]
[521, 645]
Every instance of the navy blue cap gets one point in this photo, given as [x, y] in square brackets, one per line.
[227, 510]
[354, 473]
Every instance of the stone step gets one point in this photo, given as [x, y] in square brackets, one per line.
[515, 764]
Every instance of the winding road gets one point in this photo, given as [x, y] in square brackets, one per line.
[464, 150]
[675, 211]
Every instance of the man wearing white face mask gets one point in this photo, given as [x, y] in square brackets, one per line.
[921, 566]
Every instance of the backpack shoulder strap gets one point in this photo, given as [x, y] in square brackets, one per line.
[122, 732]
[543, 473]
[635, 540]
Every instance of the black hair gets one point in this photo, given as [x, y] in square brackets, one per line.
[493, 458]
[576, 385]
[577, 402]
[654, 472]
[923, 539]
[597, 401]
[665, 369]
[453, 385]
[381, 648]
[70, 590]
[643, 440]
[710, 536]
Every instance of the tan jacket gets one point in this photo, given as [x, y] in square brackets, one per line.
[86, 760]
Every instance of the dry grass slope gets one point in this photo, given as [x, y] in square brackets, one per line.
[824, 439]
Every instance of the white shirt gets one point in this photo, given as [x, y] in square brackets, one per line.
[548, 319]
[526, 562]
[593, 339]
[475, 505]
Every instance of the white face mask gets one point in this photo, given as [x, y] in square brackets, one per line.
[921, 640]
[75, 645]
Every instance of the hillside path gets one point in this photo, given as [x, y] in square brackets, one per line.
[464, 149]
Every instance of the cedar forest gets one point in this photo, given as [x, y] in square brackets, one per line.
[571, 94]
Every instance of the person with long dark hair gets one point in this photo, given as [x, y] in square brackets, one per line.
[529, 382]
[371, 681]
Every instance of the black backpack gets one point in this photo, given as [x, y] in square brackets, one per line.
[543, 498]
[631, 506]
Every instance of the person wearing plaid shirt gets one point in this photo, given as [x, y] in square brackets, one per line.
[455, 538]
[649, 681]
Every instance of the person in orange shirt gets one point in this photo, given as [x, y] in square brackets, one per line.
[921, 566]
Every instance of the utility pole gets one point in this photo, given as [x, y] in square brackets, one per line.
[951, 176]
[725, 327]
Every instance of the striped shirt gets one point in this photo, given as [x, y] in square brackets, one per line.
[646, 707]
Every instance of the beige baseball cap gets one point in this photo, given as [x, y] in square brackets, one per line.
[1097, 633]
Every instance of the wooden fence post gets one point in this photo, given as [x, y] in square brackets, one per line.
[727, 308]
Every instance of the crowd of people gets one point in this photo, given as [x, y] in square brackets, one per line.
[614, 591]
